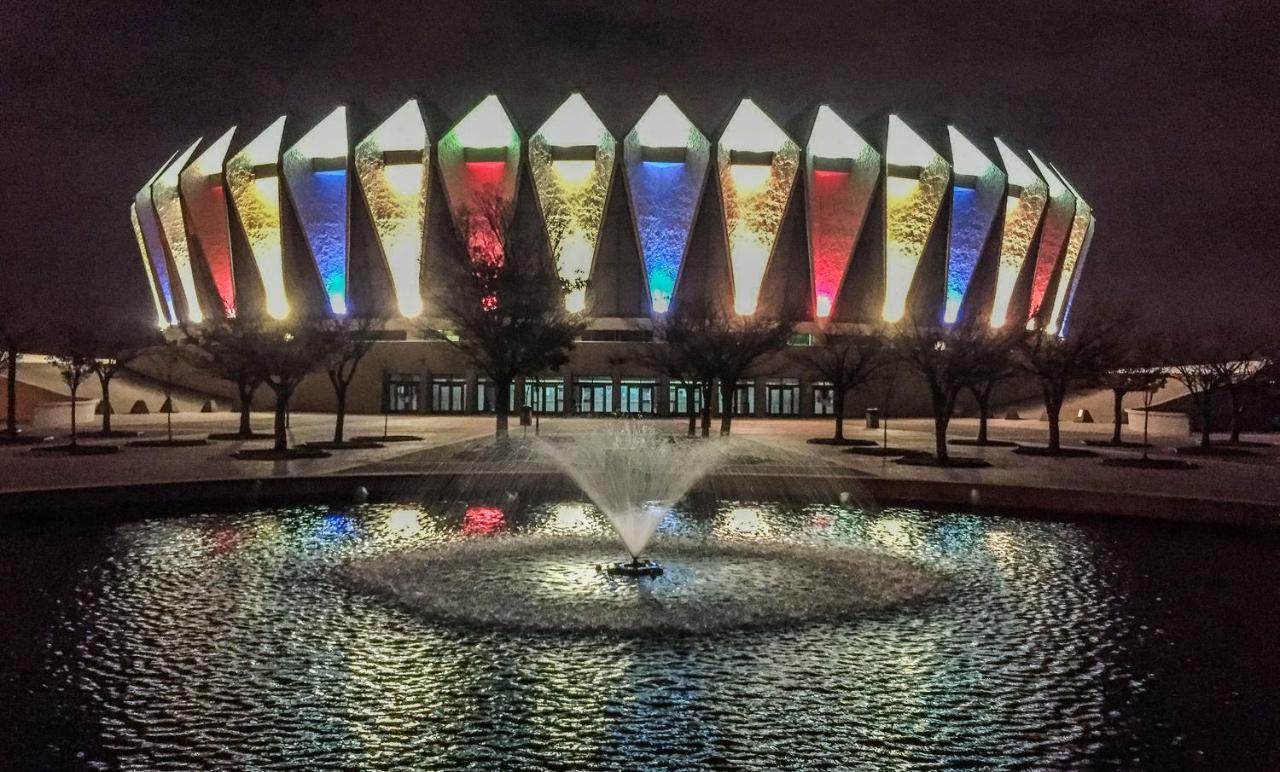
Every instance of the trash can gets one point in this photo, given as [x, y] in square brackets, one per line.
[873, 418]
[526, 416]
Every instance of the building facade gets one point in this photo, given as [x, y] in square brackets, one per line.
[860, 225]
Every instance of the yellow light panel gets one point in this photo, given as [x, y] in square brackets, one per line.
[572, 189]
[911, 208]
[168, 203]
[253, 177]
[1024, 203]
[757, 162]
[396, 192]
[1081, 228]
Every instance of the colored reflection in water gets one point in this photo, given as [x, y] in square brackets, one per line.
[482, 521]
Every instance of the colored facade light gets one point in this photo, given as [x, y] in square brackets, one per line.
[480, 165]
[204, 197]
[571, 158]
[916, 180]
[1053, 237]
[975, 200]
[665, 161]
[161, 318]
[391, 164]
[152, 239]
[842, 173]
[315, 169]
[1024, 204]
[253, 177]
[1073, 259]
[168, 203]
[1075, 280]
[757, 164]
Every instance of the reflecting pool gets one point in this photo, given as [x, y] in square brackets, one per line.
[241, 641]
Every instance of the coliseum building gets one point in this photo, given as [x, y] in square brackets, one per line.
[858, 225]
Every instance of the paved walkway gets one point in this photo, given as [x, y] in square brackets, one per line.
[1254, 480]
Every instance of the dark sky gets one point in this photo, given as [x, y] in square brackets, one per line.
[1163, 114]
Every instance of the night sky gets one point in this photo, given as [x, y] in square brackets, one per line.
[1163, 114]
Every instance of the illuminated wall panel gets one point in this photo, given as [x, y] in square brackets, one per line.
[665, 161]
[316, 171]
[205, 199]
[1053, 236]
[916, 180]
[757, 164]
[391, 164]
[1075, 279]
[153, 241]
[842, 173]
[1072, 260]
[975, 199]
[152, 285]
[1024, 203]
[572, 158]
[168, 204]
[480, 164]
[253, 177]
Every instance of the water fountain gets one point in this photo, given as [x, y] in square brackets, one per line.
[634, 473]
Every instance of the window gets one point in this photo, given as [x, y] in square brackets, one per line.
[678, 399]
[800, 339]
[744, 402]
[824, 399]
[486, 401]
[637, 396]
[782, 397]
[545, 395]
[593, 395]
[402, 393]
[448, 395]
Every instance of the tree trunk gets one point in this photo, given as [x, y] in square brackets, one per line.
[501, 405]
[245, 392]
[168, 417]
[708, 391]
[1117, 396]
[282, 410]
[941, 418]
[1053, 408]
[728, 391]
[1206, 415]
[838, 408]
[983, 398]
[689, 391]
[106, 403]
[1237, 416]
[11, 387]
[73, 417]
[340, 418]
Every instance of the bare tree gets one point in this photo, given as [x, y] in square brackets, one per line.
[279, 354]
[994, 361]
[724, 347]
[349, 340]
[75, 363]
[504, 306]
[667, 360]
[946, 359]
[846, 362]
[1213, 363]
[13, 340]
[1122, 382]
[111, 355]
[220, 348]
[167, 359]
[1094, 346]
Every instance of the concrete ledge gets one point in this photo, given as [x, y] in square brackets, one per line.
[1163, 424]
[1025, 501]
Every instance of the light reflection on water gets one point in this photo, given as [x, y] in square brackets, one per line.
[226, 637]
